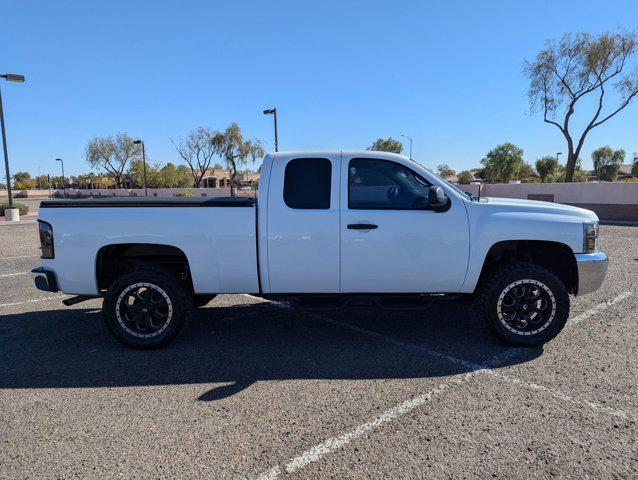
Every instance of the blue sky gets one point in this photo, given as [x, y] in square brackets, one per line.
[341, 74]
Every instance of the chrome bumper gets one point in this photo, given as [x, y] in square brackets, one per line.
[592, 268]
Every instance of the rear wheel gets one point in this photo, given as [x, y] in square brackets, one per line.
[146, 307]
[524, 304]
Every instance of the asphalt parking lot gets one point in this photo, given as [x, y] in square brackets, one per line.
[254, 390]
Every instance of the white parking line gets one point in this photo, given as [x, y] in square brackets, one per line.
[7, 275]
[20, 256]
[332, 444]
[485, 367]
[45, 299]
[599, 308]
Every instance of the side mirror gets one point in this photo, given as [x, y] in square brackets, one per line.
[437, 198]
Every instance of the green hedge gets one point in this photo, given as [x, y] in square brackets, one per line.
[24, 209]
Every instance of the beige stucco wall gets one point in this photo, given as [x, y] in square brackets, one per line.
[606, 193]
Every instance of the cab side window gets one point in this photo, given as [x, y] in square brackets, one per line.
[375, 184]
[307, 183]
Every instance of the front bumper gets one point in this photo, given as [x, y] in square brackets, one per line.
[592, 268]
[45, 279]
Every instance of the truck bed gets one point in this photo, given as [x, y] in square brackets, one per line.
[219, 241]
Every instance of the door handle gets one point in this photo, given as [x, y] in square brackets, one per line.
[362, 226]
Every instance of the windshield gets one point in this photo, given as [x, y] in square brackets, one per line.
[451, 185]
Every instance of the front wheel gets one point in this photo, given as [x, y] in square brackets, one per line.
[146, 307]
[524, 304]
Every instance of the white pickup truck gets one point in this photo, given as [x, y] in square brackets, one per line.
[327, 230]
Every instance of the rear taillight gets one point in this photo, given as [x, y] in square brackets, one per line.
[46, 239]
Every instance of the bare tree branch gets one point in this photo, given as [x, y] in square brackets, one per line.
[573, 68]
[197, 150]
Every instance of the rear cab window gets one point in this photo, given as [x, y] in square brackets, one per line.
[307, 183]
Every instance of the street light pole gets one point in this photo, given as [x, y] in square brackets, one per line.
[137, 142]
[9, 77]
[557, 154]
[409, 138]
[273, 111]
[63, 177]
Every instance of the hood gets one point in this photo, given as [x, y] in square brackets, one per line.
[519, 204]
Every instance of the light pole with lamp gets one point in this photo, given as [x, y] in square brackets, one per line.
[138, 142]
[409, 138]
[63, 177]
[9, 77]
[273, 111]
[557, 154]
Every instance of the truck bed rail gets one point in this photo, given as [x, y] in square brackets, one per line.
[115, 202]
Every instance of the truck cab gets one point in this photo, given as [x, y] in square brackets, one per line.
[354, 222]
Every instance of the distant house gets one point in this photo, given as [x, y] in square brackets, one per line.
[220, 178]
[624, 171]
[216, 178]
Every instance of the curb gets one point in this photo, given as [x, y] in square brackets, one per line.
[19, 222]
[619, 223]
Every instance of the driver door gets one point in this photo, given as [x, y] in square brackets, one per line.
[391, 241]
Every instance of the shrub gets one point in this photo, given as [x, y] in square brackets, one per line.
[22, 208]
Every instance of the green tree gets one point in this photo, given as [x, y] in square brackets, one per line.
[502, 163]
[23, 181]
[527, 173]
[580, 175]
[634, 169]
[198, 150]
[581, 66]
[465, 177]
[42, 181]
[546, 166]
[607, 162]
[112, 154]
[386, 145]
[57, 182]
[235, 151]
[136, 172]
[445, 171]
[171, 176]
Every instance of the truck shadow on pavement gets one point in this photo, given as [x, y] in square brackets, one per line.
[239, 345]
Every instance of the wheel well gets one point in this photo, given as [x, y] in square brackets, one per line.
[113, 260]
[556, 257]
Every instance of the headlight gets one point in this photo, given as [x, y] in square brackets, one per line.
[46, 239]
[590, 237]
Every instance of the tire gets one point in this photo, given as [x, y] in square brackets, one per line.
[523, 304]
[202, 300]
[146, 307]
